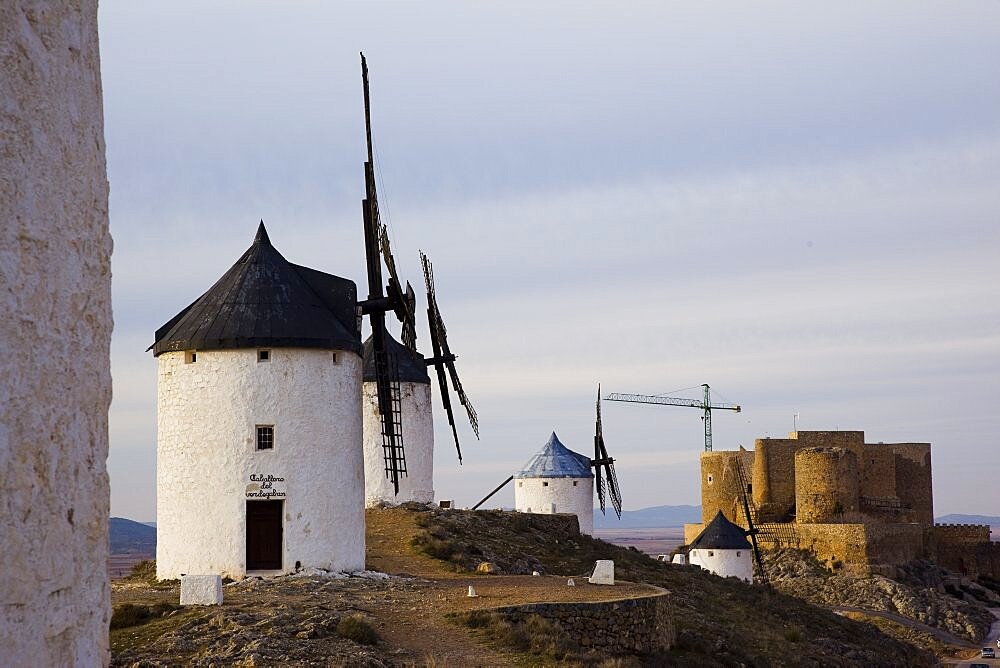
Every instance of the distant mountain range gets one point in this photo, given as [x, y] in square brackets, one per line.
[657, 517]
[954, 518]
[129, 536]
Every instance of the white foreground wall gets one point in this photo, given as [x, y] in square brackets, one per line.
[206, 452]
[724, 563]
[418, 444]
[55, 297]
[560, 495]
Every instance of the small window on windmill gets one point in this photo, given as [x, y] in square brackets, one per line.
[265, 437]
[749, 488]
[190, 357]
[710, 479]
[520, 483]
[575, 483]
[263, 355]
[334, 357]
[545, 483]
[737, 553]
[711, 553]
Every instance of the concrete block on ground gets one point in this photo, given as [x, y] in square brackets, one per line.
[604, 572]
[201, 590]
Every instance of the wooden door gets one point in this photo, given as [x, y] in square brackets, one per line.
[264, 538]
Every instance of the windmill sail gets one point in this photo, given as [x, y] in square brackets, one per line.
[609, 485]
[387, 387]
[444, 359]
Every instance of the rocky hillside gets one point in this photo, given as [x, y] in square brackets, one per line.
[719, 621]
[924, 593]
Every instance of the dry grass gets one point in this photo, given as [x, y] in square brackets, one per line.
[534, 635]
[130, 614]
[356, 628]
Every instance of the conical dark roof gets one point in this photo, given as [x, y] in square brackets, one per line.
[410, 364]
[721, 534]
[266, 301]
[555, 460]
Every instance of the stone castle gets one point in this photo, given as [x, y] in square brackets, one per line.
[865, 506]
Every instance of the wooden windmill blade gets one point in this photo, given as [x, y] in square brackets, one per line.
[457, 385]
[432, 320]
[402, 302]
[609, 485]
[386, 368]
[446, 355]
[751, 530]
[444, 358]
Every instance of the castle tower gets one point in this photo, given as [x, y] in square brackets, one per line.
[259, 459]
[418, 429]
[826, 484]
[722, 548]
[557, 480]
[720, 482]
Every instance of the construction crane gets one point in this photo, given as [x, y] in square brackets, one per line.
[705, 404]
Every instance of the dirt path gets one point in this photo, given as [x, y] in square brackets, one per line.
[943, 636]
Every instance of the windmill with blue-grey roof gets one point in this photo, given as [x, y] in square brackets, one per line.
[559, 480]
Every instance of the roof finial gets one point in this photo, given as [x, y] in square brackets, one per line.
[261, 237]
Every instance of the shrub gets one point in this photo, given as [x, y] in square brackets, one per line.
[533, 634]
[357, 629]
[144, 570]
[478, 619]
[129, 614]
[433, 546]
[794, 635]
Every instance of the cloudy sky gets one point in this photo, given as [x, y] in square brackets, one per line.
[797, 203]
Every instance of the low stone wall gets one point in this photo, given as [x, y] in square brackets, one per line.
[630, 626]
[963, 548]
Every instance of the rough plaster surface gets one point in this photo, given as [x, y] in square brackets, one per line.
[201, 590]
[604, 572]
[557, 495]
[724, 563]
[207, 413]
[418, 444]
[55, 296]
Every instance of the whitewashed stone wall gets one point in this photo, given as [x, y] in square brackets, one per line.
[532, 495]
[206, 452]
[418, 444]
[55, 329]
[724, 563]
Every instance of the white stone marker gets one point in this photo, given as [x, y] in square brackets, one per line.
[472, 592]
[604, 572]
[201, 590]
[570, 583]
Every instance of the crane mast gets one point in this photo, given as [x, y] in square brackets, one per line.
[705, 404]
